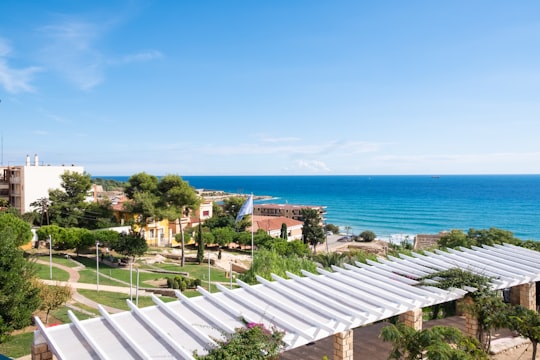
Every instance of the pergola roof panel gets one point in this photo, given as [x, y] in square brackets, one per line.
[307, 308]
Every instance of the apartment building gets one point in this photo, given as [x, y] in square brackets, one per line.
[286, 210]
[20, 185]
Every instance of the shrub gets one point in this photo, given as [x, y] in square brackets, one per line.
[252, 342]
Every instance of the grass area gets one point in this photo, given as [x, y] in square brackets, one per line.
[194, 270]
[88, 276]
[18, 345]
[61, 260]
[122, 274]
[21, 344]
[43, 272]
[87, 308]
[62, 314]
[117, 300]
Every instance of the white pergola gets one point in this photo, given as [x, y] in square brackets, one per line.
[308, 308]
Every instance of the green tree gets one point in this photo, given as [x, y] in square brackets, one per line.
[176, 199]
[98, 215]
[223, 236]
[438, 342]
[52, 297]
[489, 309]
[141, 183]
[284, 233]
[312, 230]
[331, 227]
[491, 236]
[455, 238]
[19, 297]
[42, 207]
[368, 236]
[200, 244]
[68, 204]
[131, 244]
[527, 323]
[18, 227]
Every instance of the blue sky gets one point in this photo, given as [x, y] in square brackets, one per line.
[272, 87]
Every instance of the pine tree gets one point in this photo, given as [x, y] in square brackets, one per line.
[19, 297]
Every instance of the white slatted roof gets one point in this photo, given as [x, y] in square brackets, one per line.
[307, 308]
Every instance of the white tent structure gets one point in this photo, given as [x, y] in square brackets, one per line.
[307, 308]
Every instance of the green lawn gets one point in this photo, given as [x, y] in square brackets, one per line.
[18, 345]
[61, 260]
[194, 270]
[88, 276]
[21, 344]
[43, 272]
[117, 300]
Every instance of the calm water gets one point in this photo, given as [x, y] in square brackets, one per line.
[401, 205]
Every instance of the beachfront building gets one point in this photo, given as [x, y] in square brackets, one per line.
[287, 211]
[272, 226]
[21, 185]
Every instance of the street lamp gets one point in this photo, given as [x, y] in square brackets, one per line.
[97, 266]
[50, 257]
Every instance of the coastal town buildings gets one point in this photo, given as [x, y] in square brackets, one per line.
[272, 226]
[20, 185]
[286, 210]
[161, 232]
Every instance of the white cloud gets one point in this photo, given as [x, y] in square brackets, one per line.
[14, 80]
[312, 165]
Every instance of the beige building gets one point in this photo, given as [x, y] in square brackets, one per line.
[286, 210]
[20, 185]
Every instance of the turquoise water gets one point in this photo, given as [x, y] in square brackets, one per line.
[402, 205]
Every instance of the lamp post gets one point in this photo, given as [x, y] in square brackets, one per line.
[50, 257]
[97, 266]
[209, 289]
[230, 273]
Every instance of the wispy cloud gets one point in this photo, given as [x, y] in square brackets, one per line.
[14, 80]
[73, 51]
[139, 57]
[70, 51]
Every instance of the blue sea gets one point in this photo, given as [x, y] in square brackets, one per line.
[398, 206]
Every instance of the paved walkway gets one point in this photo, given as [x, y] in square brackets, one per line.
[74, 284]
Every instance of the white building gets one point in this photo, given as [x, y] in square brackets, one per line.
[21, 185]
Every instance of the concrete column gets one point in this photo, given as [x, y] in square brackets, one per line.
[412, 318]
[343, 345]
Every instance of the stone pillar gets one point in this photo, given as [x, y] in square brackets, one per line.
[471, 322]
[343, 345]
[524, 295]
[527, 296]
[41, 352]
[412, 318]
[40, 349]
